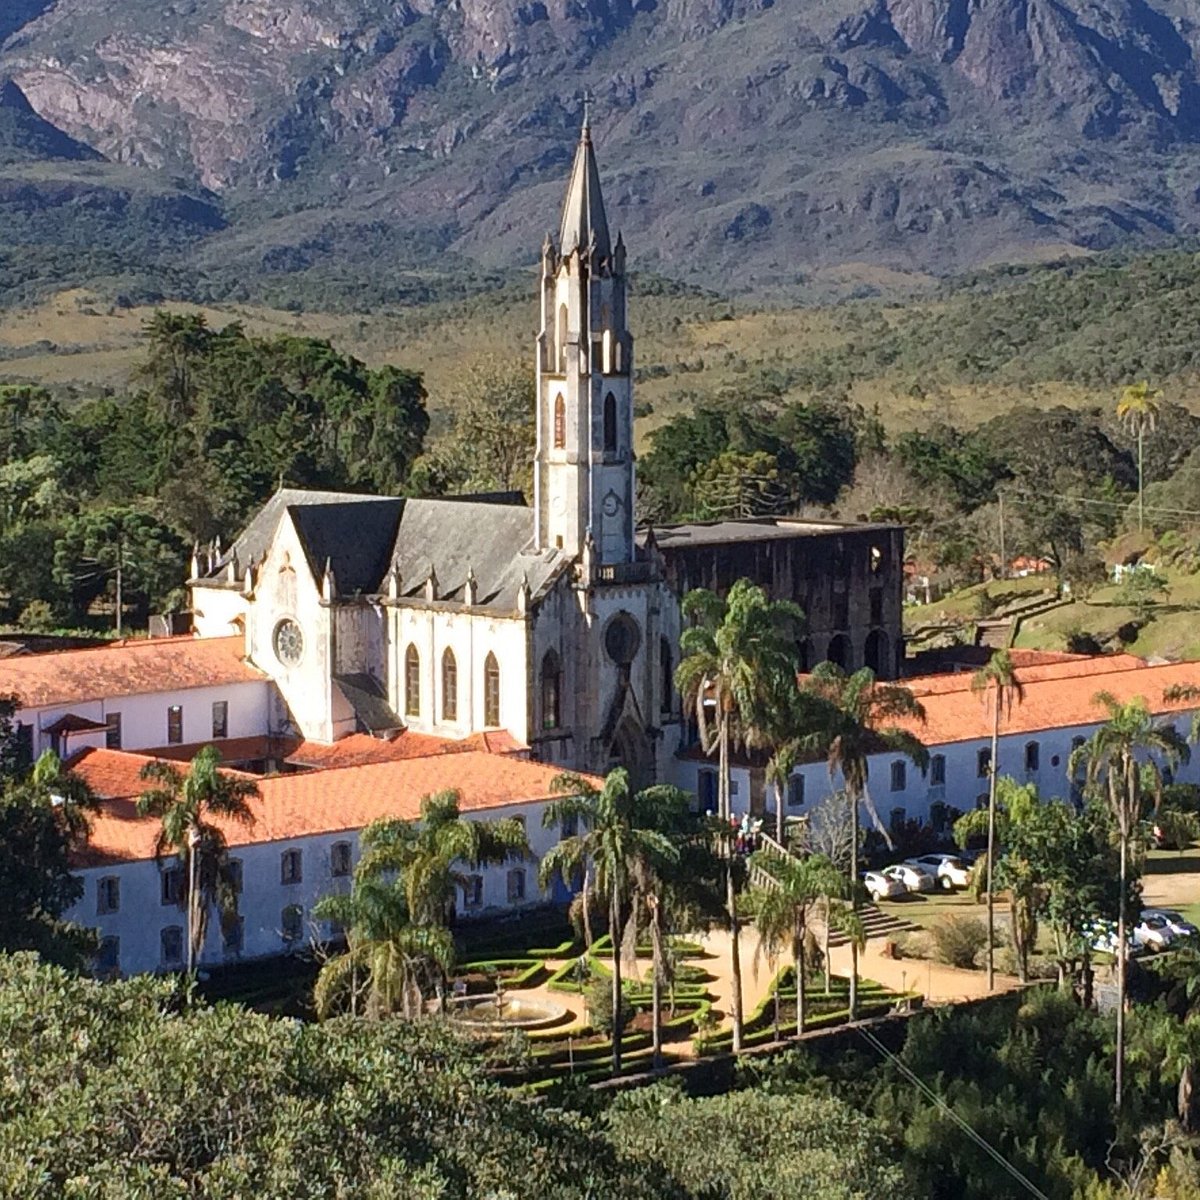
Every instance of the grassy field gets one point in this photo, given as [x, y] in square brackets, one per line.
[688, 347]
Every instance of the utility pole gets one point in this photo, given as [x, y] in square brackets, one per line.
[120, 565]
[1003, 553]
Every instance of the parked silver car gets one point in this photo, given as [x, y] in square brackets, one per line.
[882, 887]
[913, 877]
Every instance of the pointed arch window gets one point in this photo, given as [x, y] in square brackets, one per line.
[560, 422]
[449, 686]
[551, 691]
[610, 423]
[666, 699]
[491, 691]
[412, 682]
[562, 337]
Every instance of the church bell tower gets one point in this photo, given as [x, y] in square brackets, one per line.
[583, 470]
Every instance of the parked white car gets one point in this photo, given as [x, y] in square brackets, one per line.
[1179, 926]
[1150, 933]
[948, 869]
[912, 877]
[882, 887]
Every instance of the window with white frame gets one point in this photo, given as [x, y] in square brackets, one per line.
[795, 791]
[339, 859]
[112, 734]
[516, 885]
[175, 724]
[171, 946]
[291, 867]
[108, 894]
[220, 718]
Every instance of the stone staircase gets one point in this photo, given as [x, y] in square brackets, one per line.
[877, 923]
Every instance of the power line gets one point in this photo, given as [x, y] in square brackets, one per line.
[942, 1106]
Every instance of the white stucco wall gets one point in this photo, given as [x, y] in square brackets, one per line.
[141, 918]
[144, 717]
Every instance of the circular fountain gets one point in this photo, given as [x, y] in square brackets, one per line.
[499, 1011]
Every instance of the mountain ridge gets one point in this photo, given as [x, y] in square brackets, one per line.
[752, 141]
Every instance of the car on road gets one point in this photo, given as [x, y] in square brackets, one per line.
[1179, 926]
[882, 887]
[949, 870]
[913, 878]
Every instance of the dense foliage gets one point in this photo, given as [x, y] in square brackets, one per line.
[221, 420]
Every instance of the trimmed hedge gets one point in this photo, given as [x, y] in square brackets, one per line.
[525, 971]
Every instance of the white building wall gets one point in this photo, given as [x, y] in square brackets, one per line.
[471, 636]
[141, 917]
[218, 611]
[144, 717]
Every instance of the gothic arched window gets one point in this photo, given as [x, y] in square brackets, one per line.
[412, 682]
[491, 691]
[551, 691]
[560, 422]
[610, 423]
[449, 686]
[562, 337]
[666, 699]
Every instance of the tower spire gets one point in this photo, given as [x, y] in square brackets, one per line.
[583, 211]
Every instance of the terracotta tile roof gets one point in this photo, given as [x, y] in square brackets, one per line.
[310, 802]
[125, 669]
[1055, 697]
[231, 750]
[360, 749]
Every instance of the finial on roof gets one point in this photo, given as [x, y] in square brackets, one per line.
[586, 131]
[471, 587]
[248, 581]
[328, 582]
[583, 212]
[231, 569]
[524, 594]
[394, 581]
[195, 561]
[431, 584]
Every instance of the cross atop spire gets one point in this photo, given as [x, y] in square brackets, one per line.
[583, 212]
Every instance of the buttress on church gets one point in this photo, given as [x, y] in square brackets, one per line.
[356, 653]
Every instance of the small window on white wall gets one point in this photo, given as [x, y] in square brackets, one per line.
[292, 923]
[899, 776]
[795, 791]
[339, 859]
[172, 945]
[473, 891]
[108, 895]
[516, 885]
[291, 870]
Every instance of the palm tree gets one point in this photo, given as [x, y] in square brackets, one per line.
[620, 849]
[428, 854]
[739, 656]
[387, 954]
[397, 913]
[1138, 410]
[186, 804]
[860, 711]
[1002, 690]
[73, 799]
[784, 905]
[1122, 758]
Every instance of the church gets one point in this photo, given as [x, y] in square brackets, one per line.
[557, 622]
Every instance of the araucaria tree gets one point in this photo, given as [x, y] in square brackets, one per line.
[785, 905]
[1124, 761]
[1001, 690]
[609, 834]
[185, 804]
[861, 716]
[739, 656]
[396, 915]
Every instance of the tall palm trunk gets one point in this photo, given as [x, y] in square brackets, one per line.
[193, 915]
[1141, 493]
[1122, 962]
[614, 923]
[798, 956]
[991, 848]
[825, 948]
[656, 984]
[854, 902]
[735, 957]
[779, 811]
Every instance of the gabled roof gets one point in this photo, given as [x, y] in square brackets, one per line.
[354, 539]
[368, 697]
[312, 802]
[583, 212]
[126, 669]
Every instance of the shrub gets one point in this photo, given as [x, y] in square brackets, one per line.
[1178, 827]
[957, 941]
[600, 1007]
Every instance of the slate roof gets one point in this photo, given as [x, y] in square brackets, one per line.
[361, 536]
[366, 695]
[583, 211]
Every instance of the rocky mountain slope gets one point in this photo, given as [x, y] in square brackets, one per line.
[746, 143]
